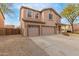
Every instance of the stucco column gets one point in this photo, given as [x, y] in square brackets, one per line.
[25, 29]
[55, 30]
[40, 30]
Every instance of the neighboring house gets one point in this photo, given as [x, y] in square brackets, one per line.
[65, 27]
[36, 23]
[76, 27]
[9, 26]
[1, 19]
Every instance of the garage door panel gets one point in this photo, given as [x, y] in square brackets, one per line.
[47, 30]
[33, 31]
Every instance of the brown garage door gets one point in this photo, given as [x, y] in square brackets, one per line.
[33, 31]
[47, 30]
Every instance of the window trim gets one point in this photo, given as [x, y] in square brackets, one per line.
[36, 15]
[50, 16]
[29, 13]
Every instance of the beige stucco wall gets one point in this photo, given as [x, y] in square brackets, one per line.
[55, 19]
[22, 15]
[43, 16]
[33, 15]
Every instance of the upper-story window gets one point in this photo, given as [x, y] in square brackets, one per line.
[29, 13]
[37, 15]
[50, 16]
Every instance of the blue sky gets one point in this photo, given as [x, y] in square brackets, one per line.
[38, 6]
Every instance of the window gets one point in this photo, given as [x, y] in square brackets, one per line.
[50, 16]
[36, 16]
[29, 13]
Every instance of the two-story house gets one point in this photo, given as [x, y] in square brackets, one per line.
[36, 23]
[1, 19]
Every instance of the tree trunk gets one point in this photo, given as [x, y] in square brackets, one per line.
[72, 28]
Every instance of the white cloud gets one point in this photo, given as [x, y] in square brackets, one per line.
[64, 21]
[37, 6]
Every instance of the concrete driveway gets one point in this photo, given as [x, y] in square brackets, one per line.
[56, 45]
[17, 45]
